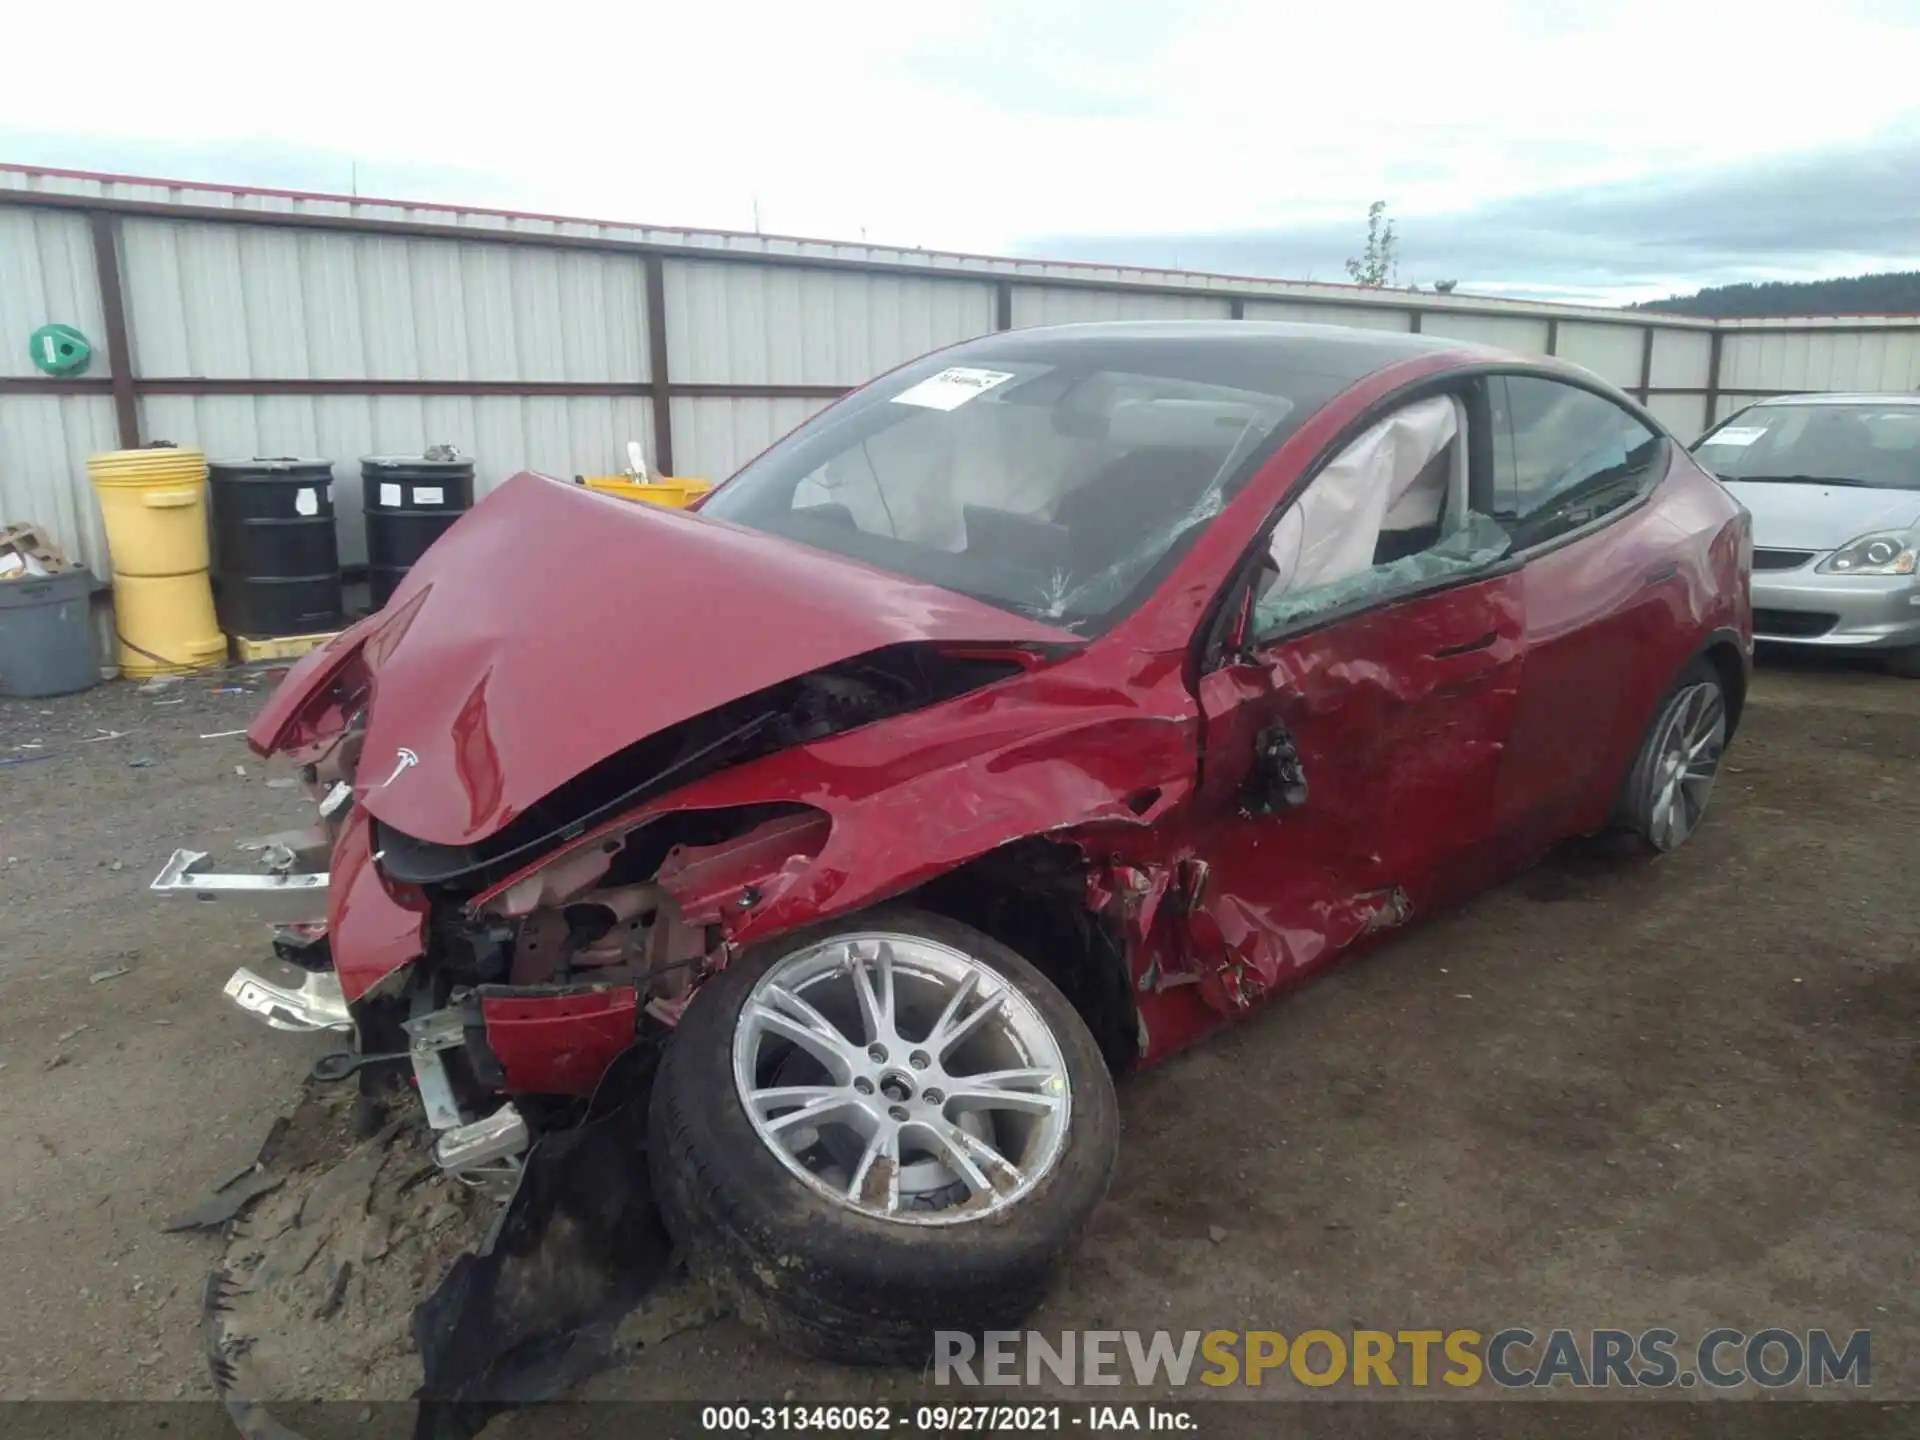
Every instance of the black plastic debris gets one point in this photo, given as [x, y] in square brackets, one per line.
[534, 1311]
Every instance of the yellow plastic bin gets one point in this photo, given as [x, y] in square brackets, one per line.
[674, 493]
[166, 624]
[154, 503]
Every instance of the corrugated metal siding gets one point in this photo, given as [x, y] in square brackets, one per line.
[165, 192]
[761, 325]
[1524, 334]
[1610, 351]
[46, 278]
[1684, 415]
[44, 444]
[1049, 305]
[1847, 360]
[227, 302]
[1359, 317]
[561, 436]
[714, 438]
[1681, 360]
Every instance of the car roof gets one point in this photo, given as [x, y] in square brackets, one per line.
[1348, 351]
[1893, 397]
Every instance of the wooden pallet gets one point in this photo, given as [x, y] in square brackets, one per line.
[278, 647]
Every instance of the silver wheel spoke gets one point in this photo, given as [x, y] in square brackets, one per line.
[962, 993]
[1003, 1090]
[876, 1003]
[823, 1103]
[794, 1019]
[876, 1179]
[981, 1152]
[941, 1041]
[955, 1144]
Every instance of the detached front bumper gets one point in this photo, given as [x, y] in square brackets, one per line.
[1862, 612]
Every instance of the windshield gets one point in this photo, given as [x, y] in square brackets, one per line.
[1868, 446]
[1058, 481]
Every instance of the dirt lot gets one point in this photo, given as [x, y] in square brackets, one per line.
[1679, 1093]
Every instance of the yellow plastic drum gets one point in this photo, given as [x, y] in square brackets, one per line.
[166, 624]
[155, 506]
[154, 503]
[675, 494]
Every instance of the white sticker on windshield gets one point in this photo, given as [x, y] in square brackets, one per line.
[1737, 435]
[951, 388]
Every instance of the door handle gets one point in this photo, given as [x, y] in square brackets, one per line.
[1485, 642]
[1660, 573]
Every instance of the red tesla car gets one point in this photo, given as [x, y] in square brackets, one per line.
[1029, 713]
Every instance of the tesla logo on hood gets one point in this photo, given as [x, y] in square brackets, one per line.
[404, 760]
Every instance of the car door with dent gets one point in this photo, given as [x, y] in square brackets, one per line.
[1355, 709]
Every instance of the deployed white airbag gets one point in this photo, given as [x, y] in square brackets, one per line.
[1384, 480]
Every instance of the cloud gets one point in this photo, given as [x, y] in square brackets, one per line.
[967, 127]
[1839, 210]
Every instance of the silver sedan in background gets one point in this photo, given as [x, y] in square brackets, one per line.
[1833, 482]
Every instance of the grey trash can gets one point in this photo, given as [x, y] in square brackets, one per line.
[46, 635]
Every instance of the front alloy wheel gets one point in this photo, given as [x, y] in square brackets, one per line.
[902, 1078]
[882, 1128]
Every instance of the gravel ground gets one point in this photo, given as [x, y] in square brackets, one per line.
[1678, 1093]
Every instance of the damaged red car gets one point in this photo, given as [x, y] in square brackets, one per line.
[1014, 722]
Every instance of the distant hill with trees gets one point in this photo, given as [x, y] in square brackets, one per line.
[1893, 293]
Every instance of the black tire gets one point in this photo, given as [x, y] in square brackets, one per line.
[823, 1278]
[1905, 663]
[1639, 797]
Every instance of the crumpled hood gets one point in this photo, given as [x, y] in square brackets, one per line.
[1821, 517]
[552, 627]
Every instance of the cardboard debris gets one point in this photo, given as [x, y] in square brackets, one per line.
[26, 553]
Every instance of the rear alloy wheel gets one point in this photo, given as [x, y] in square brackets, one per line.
[1673, 777]
[879, 1129]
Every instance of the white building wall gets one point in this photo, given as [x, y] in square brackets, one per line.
[733, 324]
[44, 444]
[46, 278]
[1058, 305]
[233, 302]
[239, 303]
[715, 437]
[1360, 317]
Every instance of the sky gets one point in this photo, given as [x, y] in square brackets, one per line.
[1606, 151]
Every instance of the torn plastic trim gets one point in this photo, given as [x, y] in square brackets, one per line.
[533, 1311]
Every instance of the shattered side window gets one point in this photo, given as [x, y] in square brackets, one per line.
[1474, 546]
[1387, 515]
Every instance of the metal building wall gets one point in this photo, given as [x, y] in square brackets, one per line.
[272, 323]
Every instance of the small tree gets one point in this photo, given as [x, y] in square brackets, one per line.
[1377, 264]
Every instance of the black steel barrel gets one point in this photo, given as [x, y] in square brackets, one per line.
[276, 556]
[409, 502]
